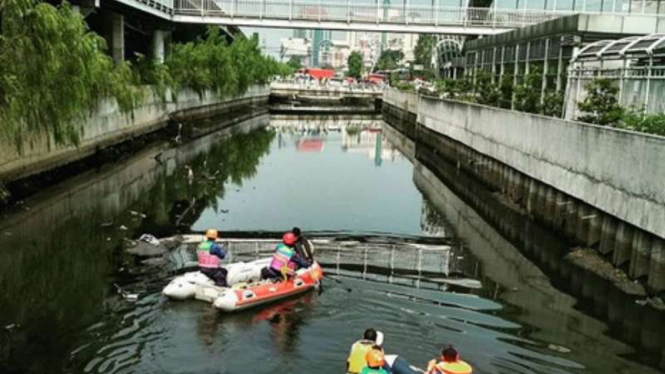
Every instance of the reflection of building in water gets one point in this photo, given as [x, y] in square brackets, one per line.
[370, 142]
[432, 222]
[310, 145]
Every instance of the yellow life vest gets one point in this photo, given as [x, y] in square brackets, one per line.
[357, 356]
[457, 367]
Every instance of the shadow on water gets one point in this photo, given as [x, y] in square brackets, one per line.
[517, 243]
[462, 272]
[61, 248]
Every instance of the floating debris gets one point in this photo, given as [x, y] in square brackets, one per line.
[123, 228]
[558, 348]
[107, 224]
[11, 326]
[126, 295]
[7, 233]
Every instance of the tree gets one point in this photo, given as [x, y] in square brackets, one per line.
[487, 93]
[389, 60]
[423, 50]
[355, 64]
[601, 106]
[53, 72]
[294, 63]
[527, 94]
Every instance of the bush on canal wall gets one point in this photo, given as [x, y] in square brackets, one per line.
[55, 72]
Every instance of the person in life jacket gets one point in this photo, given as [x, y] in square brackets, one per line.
[449, 363]
[303, 246]
[209, 255]
[358, 356]
[285, 260]
[376, 362]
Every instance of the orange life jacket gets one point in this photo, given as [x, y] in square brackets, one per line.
[455, 367]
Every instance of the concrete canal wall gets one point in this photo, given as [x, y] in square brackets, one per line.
[600, 187]
[109, 126]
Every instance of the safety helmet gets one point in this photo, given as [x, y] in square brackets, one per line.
[211, 234]
[375, 358]
[289, 238]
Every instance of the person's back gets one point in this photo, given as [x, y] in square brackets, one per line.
[209, 255]
[357, 357]
[356, 361]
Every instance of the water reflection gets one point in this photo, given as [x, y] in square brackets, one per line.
[63, 253]
[60, 248]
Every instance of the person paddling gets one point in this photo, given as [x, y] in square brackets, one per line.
[448, 362]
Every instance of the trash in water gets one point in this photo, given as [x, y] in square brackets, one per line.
[134, 213]
[558, 348]
[150, 239]
[123, 228]
[131, 296]
[107, 224]
[224, 211]
[641, 302]
[7, 233]
[11, 327]
[126, 295]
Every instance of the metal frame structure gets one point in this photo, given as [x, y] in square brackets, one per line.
[641, 57]
[380, 16]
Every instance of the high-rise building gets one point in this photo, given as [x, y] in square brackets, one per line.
[319, 37]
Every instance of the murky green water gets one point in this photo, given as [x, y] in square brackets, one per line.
[60, 255]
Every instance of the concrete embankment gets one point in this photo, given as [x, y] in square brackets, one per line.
[600, 187]
[108, 126]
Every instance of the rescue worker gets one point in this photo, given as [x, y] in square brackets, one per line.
[209, 255]
[357, 357]
[449, 363]
[303, 246]
[375, 361]
[285, 260]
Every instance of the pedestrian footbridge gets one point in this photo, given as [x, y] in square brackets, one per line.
[429, 16]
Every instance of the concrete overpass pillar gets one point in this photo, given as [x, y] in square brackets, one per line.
[117, 45]
[160, 43]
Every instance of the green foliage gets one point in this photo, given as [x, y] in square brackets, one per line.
[355, 64]
[552, 104]
[527, 94]
[64, 73]
[152, 73]
[487, 93]
[455, 89]
[405, 86]
[637, 120]
[601, 106]
[423, 50]
[389, 60]
[54, 72]
[506, 89]
[294, 63]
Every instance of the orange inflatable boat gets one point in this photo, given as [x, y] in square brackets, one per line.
[244, 296]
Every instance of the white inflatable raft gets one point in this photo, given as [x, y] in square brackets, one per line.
[196, 285]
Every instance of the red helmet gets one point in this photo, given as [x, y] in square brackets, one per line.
[289, 238]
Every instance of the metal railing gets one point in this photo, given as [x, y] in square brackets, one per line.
[393, 14]
[636, 72]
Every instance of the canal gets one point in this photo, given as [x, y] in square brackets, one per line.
[504, 298]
